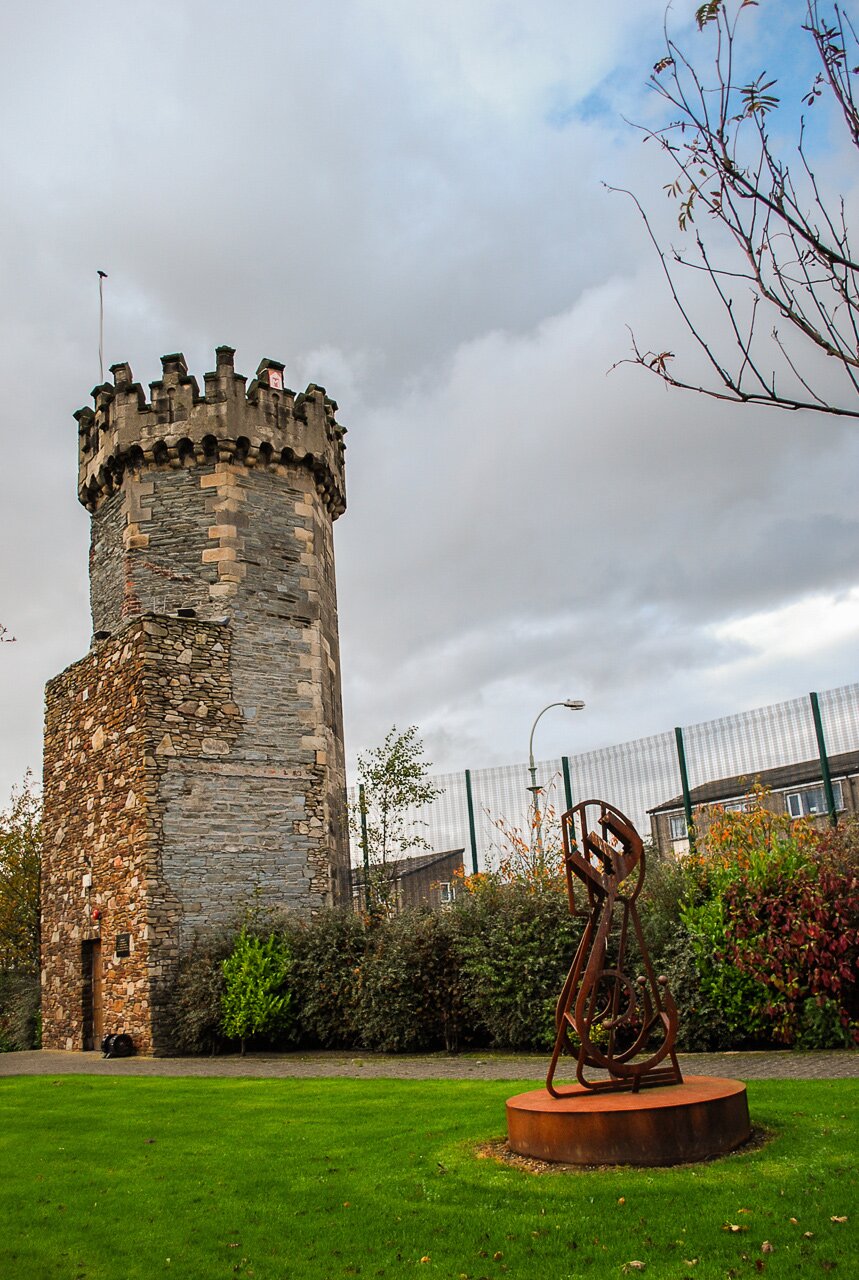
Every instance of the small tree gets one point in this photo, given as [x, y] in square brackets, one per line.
[395, 781]
[254, 1000]
[761, 229]
[20, 863]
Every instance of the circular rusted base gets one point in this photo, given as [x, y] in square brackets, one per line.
[702, 1117]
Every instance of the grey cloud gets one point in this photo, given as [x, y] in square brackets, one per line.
[404, 203]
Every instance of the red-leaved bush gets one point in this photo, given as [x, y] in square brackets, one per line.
[797, 937]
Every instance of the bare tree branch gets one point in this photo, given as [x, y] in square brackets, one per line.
[791, 238]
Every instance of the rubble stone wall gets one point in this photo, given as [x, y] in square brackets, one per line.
[159, 690]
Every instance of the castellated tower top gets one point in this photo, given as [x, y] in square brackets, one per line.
[255, 426]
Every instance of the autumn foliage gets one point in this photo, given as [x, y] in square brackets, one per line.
[772, 907]
[20, 858]
[531, 857]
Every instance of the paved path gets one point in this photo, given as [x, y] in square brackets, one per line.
[777, 1065]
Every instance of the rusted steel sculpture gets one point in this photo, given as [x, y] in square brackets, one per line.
[625, 1024]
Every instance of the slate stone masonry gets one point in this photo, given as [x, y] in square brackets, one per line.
[194, 759]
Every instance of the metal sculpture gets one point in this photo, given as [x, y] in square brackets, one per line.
[625, 1026]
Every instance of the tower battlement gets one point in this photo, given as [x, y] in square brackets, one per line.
[258, 425]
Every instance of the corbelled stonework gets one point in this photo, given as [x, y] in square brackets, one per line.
[194, 759]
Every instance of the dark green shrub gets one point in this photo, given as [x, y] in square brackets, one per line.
[411, 995]
[659, 903]
[516, 945]
[702, 1026]
[327, 952]
[821, 1025]
[20, 1012]
[193, 1005]
[669, 882]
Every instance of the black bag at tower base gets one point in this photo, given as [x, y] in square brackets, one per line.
[117, 1046]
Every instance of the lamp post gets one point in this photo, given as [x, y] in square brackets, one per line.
[572, 704]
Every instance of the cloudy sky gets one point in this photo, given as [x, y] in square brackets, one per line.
[405, 202]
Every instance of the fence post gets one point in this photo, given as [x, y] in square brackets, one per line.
[684, 782]
[568, 786]
[362, 805]
[824, 760]
[471, 831]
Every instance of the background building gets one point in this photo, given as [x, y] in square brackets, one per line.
[419, 880]
[795, 789]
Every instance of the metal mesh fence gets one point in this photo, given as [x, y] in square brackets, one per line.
[839, 709]
[750, 741]
[635, 776]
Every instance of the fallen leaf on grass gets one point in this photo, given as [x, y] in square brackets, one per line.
[496, 1257]
[691, 1262]
[838, 1217]
[808, 1235]
[621, 1199]
[634, 1265]
[795, 1221]
[733, 1226]
[426, 1258]
[766, 1247]
[744, 1211]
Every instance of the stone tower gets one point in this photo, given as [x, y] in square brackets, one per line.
[194, 758]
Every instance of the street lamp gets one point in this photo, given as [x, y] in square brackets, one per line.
[572, 704]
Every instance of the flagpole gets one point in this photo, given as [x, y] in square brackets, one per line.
[102, 276]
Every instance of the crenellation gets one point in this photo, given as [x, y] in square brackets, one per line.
[264, 425]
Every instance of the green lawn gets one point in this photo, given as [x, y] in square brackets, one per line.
[114, 1179]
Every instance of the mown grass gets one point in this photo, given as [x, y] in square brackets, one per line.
[115, 1179]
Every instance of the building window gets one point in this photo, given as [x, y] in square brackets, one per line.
[736, 806]
[677, 826]
[447, 892]
[812, 801]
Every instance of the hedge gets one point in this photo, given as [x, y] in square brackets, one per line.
[758, 936]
